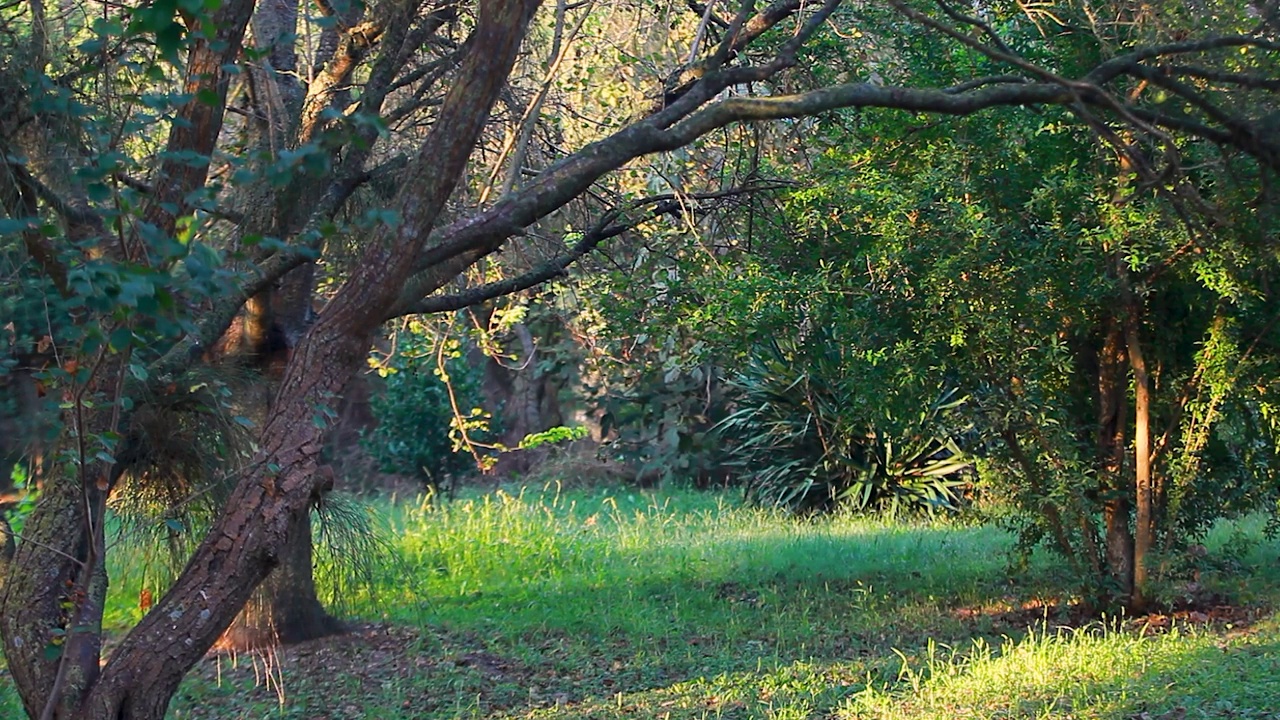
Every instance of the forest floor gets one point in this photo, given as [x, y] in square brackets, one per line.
[618, 604]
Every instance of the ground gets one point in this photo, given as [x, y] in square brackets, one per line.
[675, 604]
[438, 674]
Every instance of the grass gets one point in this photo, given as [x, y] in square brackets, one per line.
[590, 604]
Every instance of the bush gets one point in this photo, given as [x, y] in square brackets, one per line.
[431, 423]
[806, 437]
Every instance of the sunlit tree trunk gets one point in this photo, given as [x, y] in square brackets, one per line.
[1113, 421]
[1144, 520]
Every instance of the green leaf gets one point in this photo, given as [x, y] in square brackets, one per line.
[121, 338]
[98, 192]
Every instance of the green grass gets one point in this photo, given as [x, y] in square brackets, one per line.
[590, 604]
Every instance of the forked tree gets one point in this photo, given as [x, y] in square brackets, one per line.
[116, 232]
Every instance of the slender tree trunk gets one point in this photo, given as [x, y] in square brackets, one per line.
[1144, 520]
[1112, 445]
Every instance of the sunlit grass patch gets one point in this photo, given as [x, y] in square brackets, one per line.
[531, 562]
[1087, 672]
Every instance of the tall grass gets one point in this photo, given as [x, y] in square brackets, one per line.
[643, 563]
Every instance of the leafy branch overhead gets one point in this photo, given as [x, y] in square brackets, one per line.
[700, 108]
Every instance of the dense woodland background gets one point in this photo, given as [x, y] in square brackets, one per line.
[1008, 263]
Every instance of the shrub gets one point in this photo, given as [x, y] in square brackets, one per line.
[431, 423]
[807, 437]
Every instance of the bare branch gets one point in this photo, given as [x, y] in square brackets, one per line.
[607, 227]
[976, 83]
[556, 267]
[743, 109]
[986, 28]
[1110, 69]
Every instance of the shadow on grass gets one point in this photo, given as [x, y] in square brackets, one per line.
[1079, 674]
[799, 619]
[696, 620]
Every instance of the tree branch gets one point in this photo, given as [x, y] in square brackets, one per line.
[196, 127]
[1243, 80]
[553, 268]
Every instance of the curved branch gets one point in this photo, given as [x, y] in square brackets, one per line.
[1108, 70]
[604, 229]
[553, 268]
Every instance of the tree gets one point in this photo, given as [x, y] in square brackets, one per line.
[1005, 259]
[138, 292]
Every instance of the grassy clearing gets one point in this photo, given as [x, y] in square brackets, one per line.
[541, 604]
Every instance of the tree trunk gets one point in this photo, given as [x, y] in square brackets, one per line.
[285, 609]
[1144, 520]
[1112, 425]
[52, 595]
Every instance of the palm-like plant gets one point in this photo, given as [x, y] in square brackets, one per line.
[806, 437]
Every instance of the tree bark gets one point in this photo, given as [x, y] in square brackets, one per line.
[1112, 446]
[285, 609]
[1144, 516]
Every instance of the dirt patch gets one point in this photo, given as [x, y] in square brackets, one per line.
[1010, 617]
[407, 669]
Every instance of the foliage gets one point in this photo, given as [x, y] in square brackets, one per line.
[553, 436]
[431, 423]
[994, 255]
[17, 515]
[658, 420]
[185, 451]
[351, 546]
[649, 384]
[808, 436]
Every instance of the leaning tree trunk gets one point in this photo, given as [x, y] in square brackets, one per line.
[285, 609]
